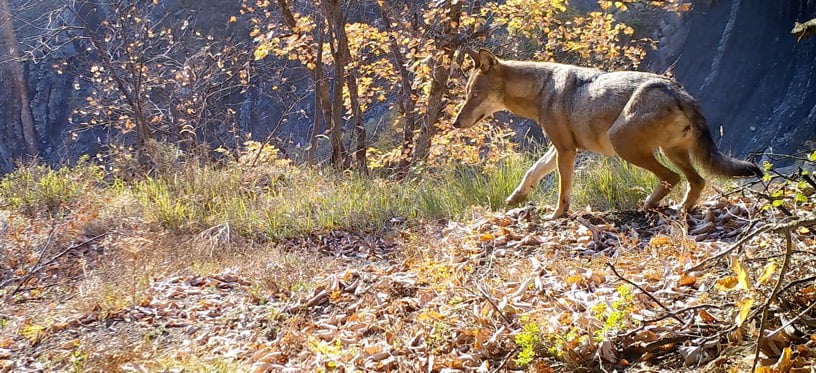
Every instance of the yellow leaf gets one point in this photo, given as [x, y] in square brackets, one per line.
[726, 283]
[784, 364]
[233, 19]
[261, 52]
[574, 279]
[743, 279]
[428, 316]
[770, 268]
[804, 230]
[744, 308]
[485, 237]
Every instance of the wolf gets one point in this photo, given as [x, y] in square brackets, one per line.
[626, 113]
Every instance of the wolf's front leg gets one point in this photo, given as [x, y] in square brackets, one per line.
[566, 167]
[541, 168]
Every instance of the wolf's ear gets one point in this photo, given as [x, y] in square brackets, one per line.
[474, 56]
[487, 60]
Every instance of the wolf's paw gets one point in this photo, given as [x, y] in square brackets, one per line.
[515, 199]
[557, 215]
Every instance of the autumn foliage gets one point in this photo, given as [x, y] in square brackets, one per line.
[190, 244]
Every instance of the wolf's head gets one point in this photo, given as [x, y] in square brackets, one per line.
[485, 90]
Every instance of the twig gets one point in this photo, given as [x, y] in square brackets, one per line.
[797, 282]
[743, 188]
[733, 247]
[652, 297]
[808, 179]
[34, 269]
[790, 322]
[504, 361]
[645, 323]
[784, 226]
[785, 263]
[655, 345]
[52, 260]
[495, 306]
[692, 308]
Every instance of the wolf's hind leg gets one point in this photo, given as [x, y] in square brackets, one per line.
[680, 158]
[637, 151]
[541, 168]
[668, 179]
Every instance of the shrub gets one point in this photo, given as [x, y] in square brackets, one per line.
[40, 188]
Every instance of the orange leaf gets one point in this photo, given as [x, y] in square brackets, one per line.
[726, 283]
[784, 364]
[706, 317]
[687, 280]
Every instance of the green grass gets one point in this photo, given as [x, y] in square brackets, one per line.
[281, 200]
[38, 188]
[611, 184]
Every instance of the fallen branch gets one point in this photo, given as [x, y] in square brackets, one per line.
[778, 227]
[495, 306]
[652, 297]
[28, 275]
[797, 282]
[691, 308]
[791, 321]
[774, 293]
[39, 266]
[596, 234]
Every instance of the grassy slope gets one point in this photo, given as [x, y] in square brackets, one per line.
[265, 246]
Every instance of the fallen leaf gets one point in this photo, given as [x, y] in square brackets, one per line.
[770, 268]
[687, 280]
[744, 307]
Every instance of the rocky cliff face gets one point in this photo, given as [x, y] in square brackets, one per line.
[737, 57]
[751, 76]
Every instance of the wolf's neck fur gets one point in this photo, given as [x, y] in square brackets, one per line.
[525, 84]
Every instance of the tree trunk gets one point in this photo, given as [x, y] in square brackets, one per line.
[440, 73]
[359, 126]
[344, 54]
[18, 80]
[406, 103]
[322, 94]
[334, 16]
[316, 121]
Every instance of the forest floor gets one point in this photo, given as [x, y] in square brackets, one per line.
[501, 290]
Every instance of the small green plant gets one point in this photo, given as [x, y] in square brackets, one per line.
[328, 353]
[614, 316]
[529, 341]
[78, 359]
[558, 343]
[33, 332]
[795, 191]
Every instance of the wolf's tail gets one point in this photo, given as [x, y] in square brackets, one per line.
[706, 153]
